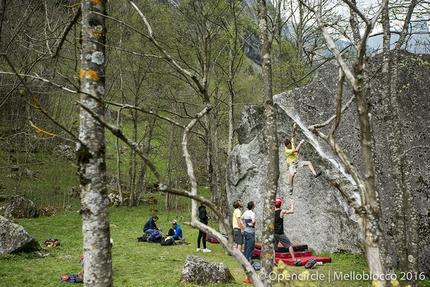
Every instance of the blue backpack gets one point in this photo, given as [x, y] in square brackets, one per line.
[155, 237]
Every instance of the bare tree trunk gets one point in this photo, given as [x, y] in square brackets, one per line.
[133, 164]
[91, 150]
[385, 91]
[405, 221]
[140, 183]
[143, 167]
[371, 218]
[118, 123]
[218, 190]
[231, 93]
[168, 178]
[209, 157]
[118, 160]
[234, 62]
[370, 209]
[272, 147]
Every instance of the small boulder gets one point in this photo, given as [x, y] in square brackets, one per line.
[14, 238]
[201, 272]
[19, 207]
[65, 152]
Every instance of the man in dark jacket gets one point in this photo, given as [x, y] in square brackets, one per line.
[151, 226]
[204, 218]
[279, 234]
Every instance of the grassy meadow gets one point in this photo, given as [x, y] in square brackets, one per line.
[146, 264]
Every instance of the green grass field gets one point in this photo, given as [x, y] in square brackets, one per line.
[147, 264]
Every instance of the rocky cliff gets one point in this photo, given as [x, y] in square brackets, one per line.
[323, 219]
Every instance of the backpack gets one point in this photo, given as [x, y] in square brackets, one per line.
[73, 278]
[256, 265]
[143, 238]
[52, 242]
[167, 241]
[155, 237]
[310, 264]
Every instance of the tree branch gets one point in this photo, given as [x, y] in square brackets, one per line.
[131, 107]
[67, 30]
[201, 87]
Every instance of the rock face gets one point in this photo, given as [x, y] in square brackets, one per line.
[323, 219]
[201, 272]
[20, 207]
[13, 238]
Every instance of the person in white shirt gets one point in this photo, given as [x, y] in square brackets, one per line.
[248, 220]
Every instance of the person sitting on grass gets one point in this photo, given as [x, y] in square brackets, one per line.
[177, 230]
[151, 226]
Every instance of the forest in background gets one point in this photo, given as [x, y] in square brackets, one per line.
[40, 114]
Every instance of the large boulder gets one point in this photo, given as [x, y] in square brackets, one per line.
[20, 207]
[14, 238]
[323, 218]
[201, 272]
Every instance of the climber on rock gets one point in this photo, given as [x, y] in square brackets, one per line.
[293, 163]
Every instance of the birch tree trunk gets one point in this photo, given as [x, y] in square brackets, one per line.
[118, 160]
[91, 149]
[272, 147]
[370, 210]
[132, 168]
[168, 177]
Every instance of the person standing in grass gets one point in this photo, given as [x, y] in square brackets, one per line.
[291, 152]
[238, 227]
[248, 220]
[204, 218]
[279, 229]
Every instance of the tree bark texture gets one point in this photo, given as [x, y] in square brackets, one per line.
[370, 215]
[91, 150]
[405, 236]
[267, 256]
[405, 200]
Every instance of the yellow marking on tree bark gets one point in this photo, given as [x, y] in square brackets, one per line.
[274, 147]
[271, 226]
[92, 75]
[97, 2]
[96, 33]
[268, 255]
[81, 73]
